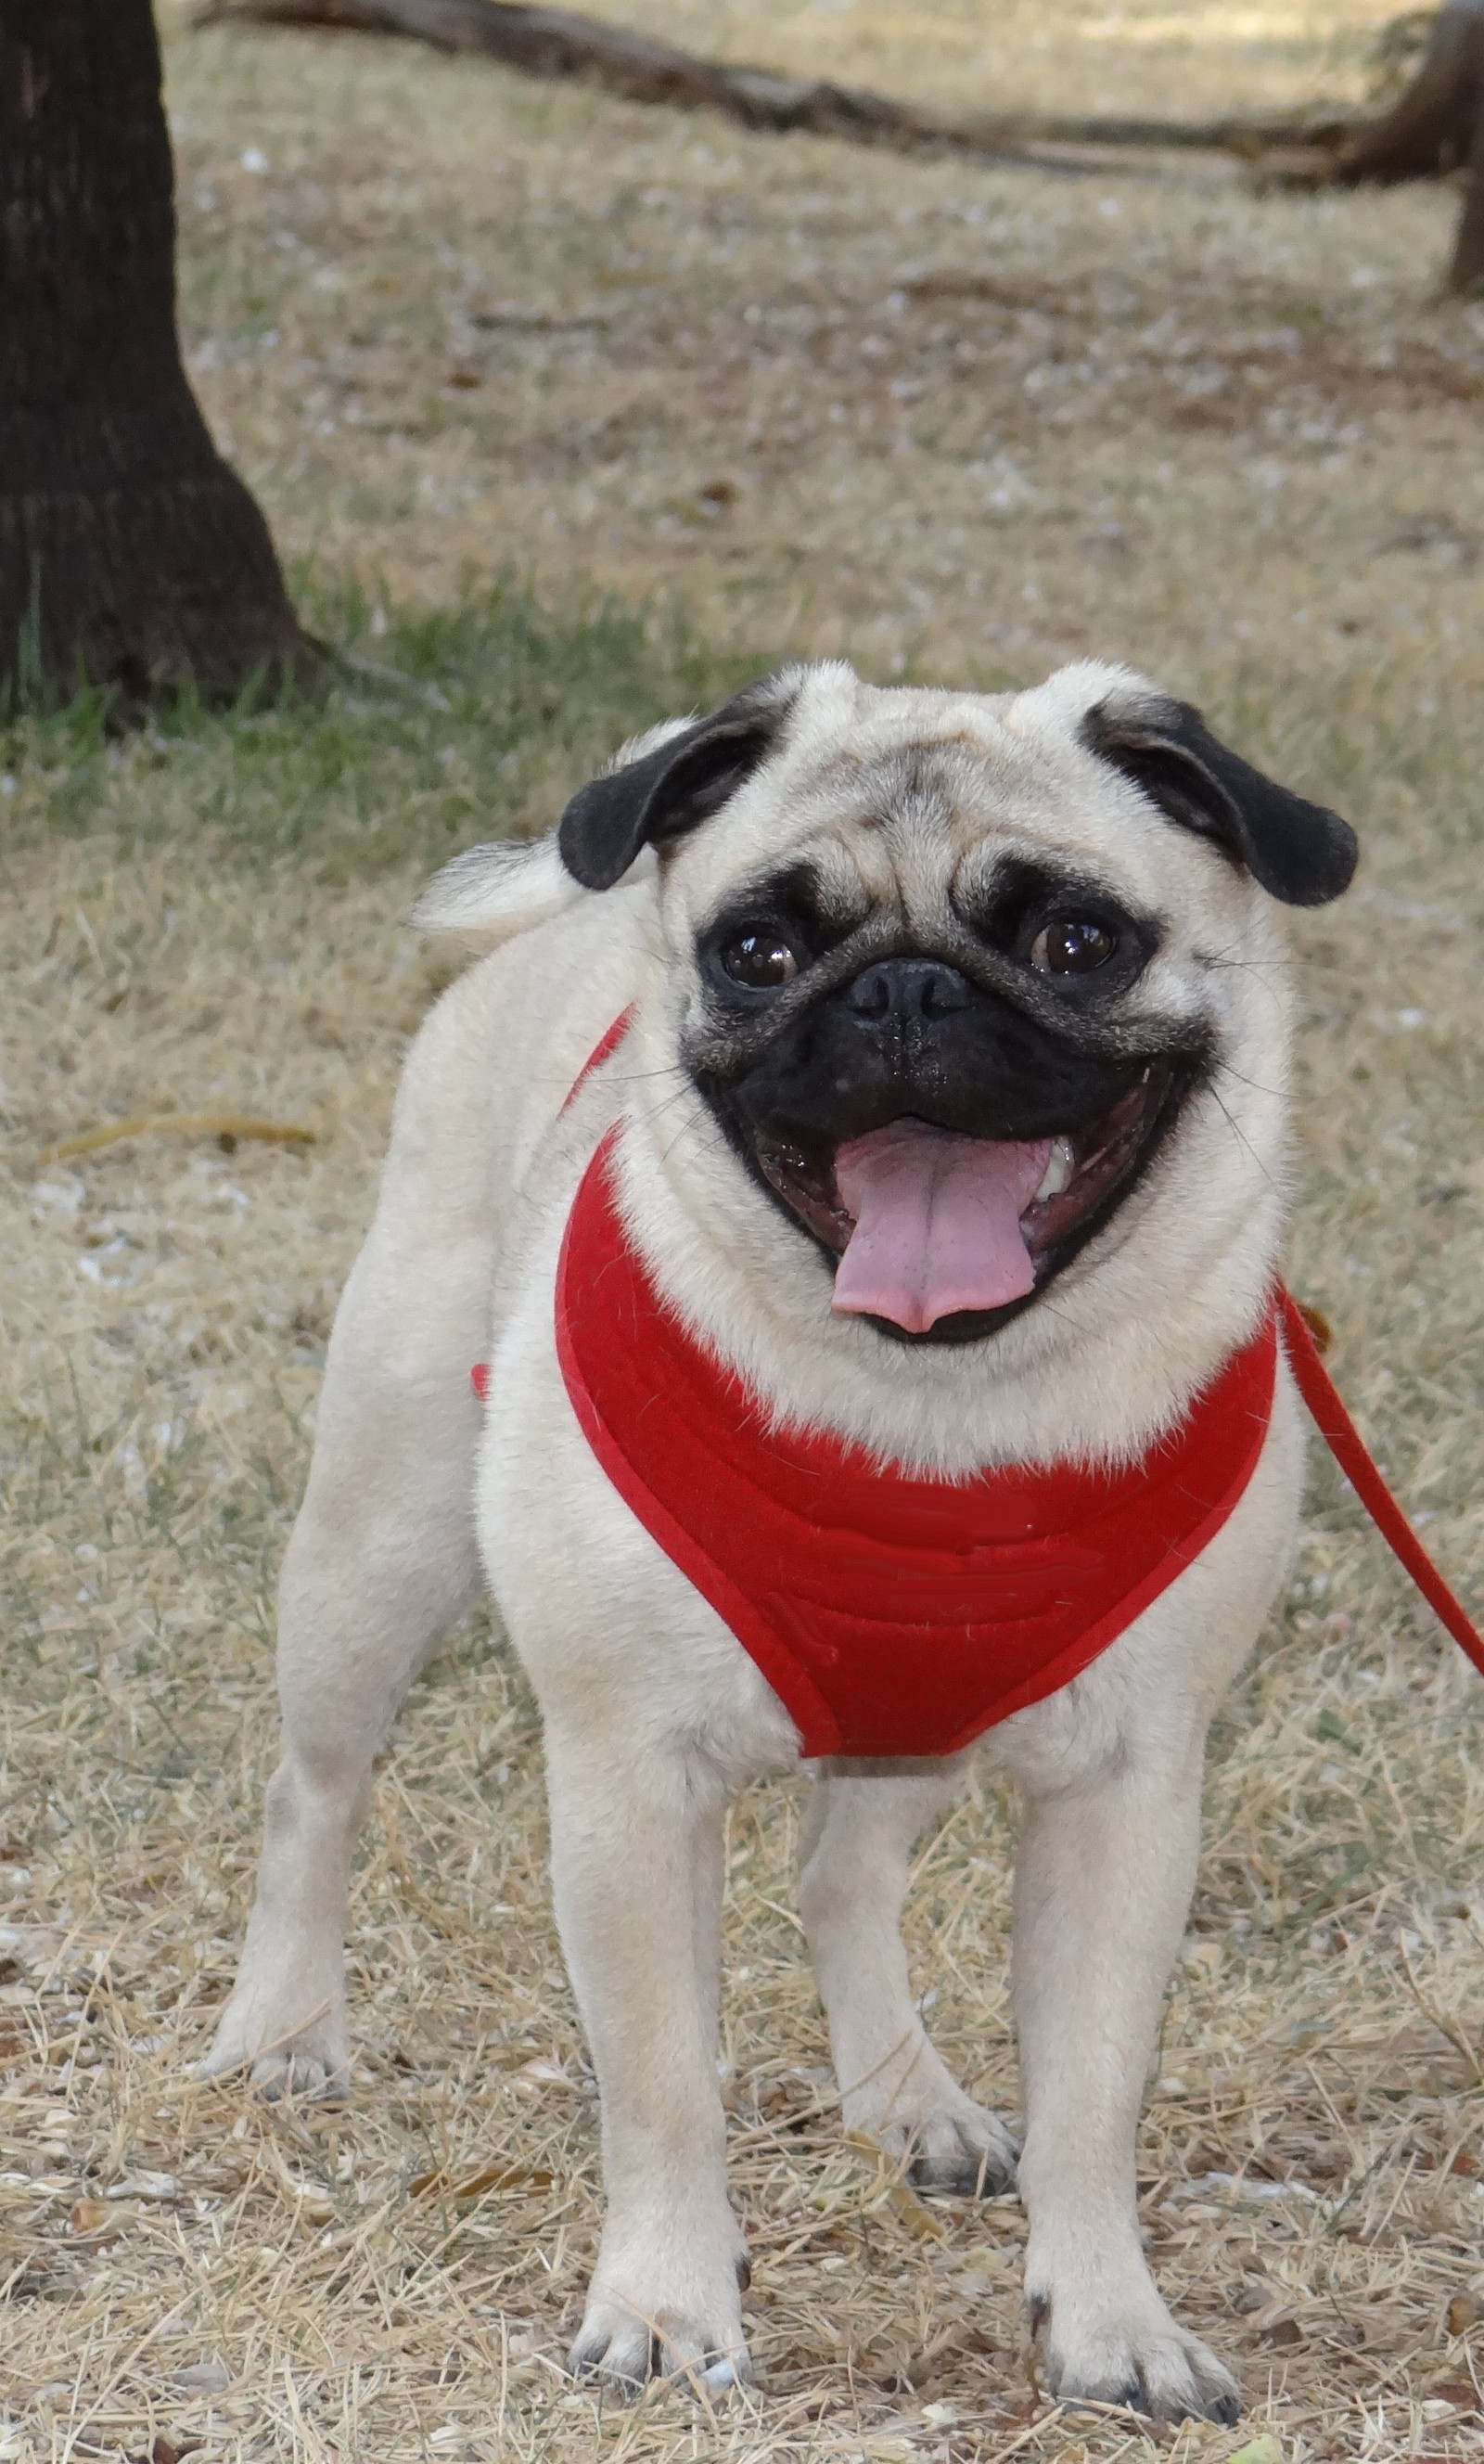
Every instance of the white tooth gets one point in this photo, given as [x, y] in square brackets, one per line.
[1058, 1173]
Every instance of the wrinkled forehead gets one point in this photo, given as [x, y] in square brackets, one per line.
[906, 791]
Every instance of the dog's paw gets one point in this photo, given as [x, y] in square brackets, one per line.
[642, 2325]
[624, 2346]
[967, 2153]
[946, 2143]
[281, 2059]
[1146, 2363]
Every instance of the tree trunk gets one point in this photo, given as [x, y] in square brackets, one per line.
[1435, 127]
[129, 553]
[1466, 273]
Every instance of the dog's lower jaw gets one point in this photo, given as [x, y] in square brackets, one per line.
[1110, 1158]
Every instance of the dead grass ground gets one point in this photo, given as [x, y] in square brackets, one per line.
[964, 422]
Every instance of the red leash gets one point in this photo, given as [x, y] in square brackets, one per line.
[1350, 1452]
[1325, 1408]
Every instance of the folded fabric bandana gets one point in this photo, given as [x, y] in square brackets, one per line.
[892, 1616]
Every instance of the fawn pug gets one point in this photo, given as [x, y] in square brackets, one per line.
[858, 1157]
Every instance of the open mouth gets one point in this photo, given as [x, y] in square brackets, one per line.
[944, 1236]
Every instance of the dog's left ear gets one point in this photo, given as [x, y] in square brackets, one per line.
[685, 779]
[1300, 852]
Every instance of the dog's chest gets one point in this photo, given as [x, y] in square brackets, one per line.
[893, 1616]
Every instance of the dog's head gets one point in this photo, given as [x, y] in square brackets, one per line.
[954, 967]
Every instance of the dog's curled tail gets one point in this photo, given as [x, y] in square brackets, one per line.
[491, 894]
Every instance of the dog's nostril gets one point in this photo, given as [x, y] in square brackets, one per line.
[870, 994]
[945, 989]
[909, 988]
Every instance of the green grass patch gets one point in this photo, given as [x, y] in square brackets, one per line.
[432, 728]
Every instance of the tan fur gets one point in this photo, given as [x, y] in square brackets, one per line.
[653, 1713]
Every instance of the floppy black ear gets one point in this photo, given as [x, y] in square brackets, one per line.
[1301, 853]
[668, 791]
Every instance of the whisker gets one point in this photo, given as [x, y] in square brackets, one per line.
[1243, 1080]
[1240, 1133]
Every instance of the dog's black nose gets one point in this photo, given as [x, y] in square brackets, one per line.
[909, 990]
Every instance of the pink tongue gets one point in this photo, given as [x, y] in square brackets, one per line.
[937, 1222]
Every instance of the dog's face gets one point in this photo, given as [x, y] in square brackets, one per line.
[953, 965]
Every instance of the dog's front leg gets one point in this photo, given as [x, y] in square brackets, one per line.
[1102, 1886]
[637, 1868]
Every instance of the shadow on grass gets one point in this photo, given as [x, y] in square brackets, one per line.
[431, 728]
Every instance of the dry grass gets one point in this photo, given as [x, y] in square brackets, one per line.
[975, 424]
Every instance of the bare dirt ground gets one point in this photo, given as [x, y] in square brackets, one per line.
[962, 425]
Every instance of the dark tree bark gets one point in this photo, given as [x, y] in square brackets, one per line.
[128, 551]
[1435, 127]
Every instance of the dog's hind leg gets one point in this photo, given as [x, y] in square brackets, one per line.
[383, 1556]
[381, 1562]
[894, 2086]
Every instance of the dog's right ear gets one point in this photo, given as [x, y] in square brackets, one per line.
[1300, 852]
[685, 778]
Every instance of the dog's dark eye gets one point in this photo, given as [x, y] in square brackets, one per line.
[759, 960]
[1072, 946]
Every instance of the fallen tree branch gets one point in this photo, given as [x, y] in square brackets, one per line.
[228, 1126]
[1435, 127]
[556, 43]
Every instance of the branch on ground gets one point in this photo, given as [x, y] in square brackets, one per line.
[556, 43]
[1434, 128]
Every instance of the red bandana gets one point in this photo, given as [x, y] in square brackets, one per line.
[891, 1614]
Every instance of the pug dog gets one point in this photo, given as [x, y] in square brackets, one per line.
[858, 1164]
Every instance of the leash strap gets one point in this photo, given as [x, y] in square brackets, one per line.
[1351, 1453]
[605, 1047]
[1320, 1393]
